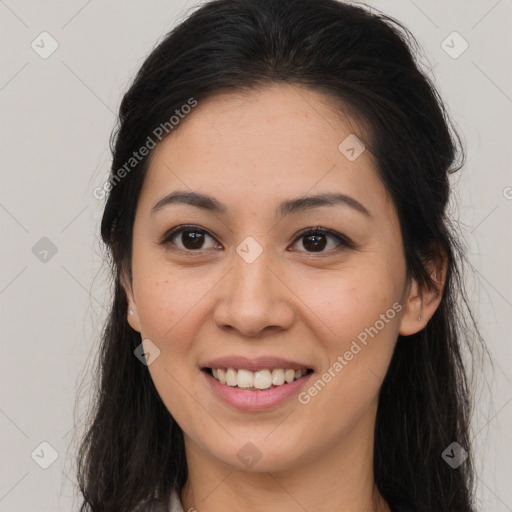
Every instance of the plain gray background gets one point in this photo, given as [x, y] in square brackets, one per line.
[57, 116]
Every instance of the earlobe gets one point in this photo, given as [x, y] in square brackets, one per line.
[132, 315]
[412, 319]
[421, 304]
[133, 319]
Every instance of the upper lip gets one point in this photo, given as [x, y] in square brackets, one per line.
[254, 364]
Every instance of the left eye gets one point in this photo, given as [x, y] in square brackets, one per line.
[314, 240]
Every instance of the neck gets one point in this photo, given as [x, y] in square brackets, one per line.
[340, 479]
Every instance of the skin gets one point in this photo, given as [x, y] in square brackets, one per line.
[252, 151]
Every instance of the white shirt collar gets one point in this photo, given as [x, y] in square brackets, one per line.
[175, 503]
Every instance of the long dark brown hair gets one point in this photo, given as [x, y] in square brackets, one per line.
[132, 450]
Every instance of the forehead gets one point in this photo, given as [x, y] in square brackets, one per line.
[279, 140]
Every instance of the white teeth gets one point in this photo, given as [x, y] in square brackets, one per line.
[231, 377]
[277, 377]
[289, 375]
[262, 379]
[245, 379]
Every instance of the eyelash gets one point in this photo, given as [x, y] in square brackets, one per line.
[343, 240]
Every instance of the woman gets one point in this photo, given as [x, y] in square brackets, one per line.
[285, 331]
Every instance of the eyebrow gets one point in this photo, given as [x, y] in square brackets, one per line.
[287, 207]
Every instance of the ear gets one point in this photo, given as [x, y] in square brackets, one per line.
[132, 315]
[421, 303]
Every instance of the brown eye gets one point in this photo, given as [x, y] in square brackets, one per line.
[188, 238]
[193, 238]
[316, 240]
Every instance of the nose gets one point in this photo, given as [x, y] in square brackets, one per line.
[254, 299]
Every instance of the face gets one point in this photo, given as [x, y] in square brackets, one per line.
[242, 281]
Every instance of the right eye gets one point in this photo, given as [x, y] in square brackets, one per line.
[192, 239]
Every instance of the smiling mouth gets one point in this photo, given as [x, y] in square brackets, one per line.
[256, 381]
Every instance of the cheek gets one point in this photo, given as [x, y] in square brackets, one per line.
[167, 297]
[169, 306]
[345, 303]
[160, 304]
[356, 318]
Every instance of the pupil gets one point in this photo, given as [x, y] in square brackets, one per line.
[318, 243]
[194, 237]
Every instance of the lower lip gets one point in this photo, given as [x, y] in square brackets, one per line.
[246, 400]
